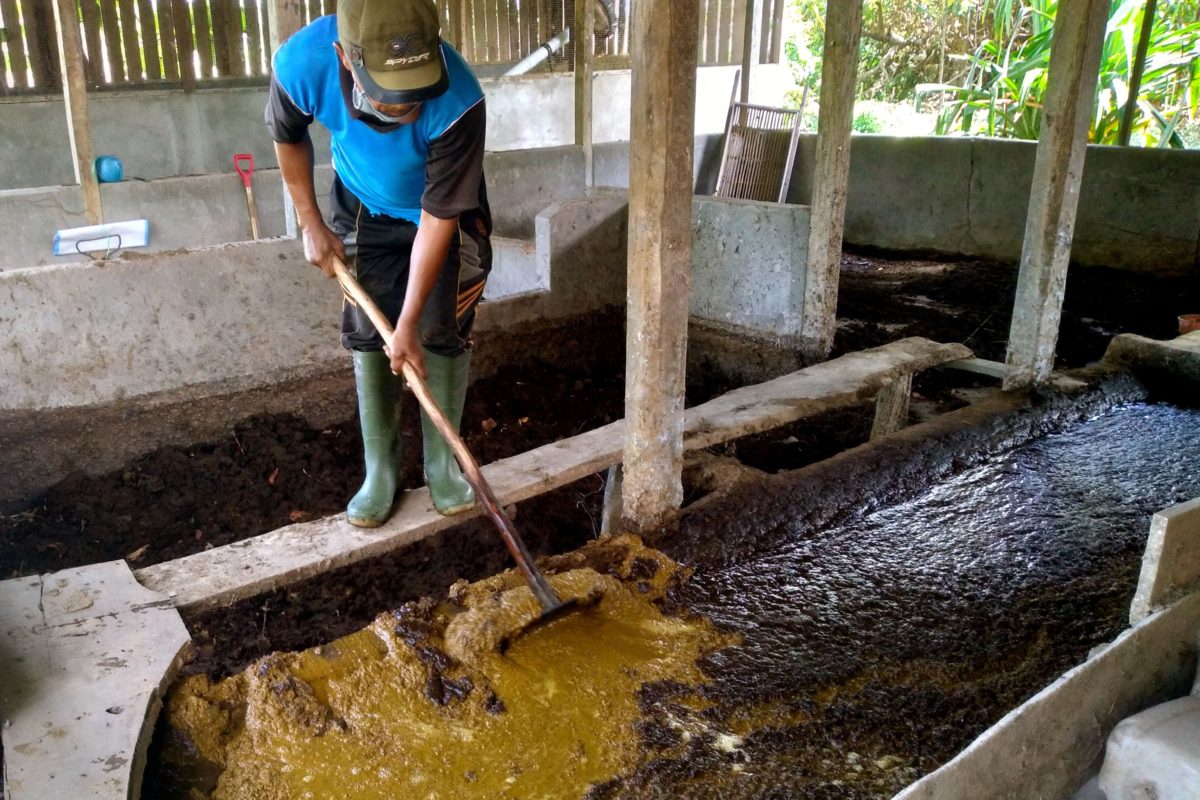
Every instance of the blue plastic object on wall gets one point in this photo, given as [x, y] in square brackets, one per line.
[108, 169]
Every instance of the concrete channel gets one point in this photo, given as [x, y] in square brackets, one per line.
[818, 658]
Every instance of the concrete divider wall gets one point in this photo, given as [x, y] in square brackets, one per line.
[1139, 208]
[749, 263]
[108, 360]
[203, 210]
[85, 334]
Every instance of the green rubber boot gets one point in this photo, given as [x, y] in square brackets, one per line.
[448, 384]
[379, 415]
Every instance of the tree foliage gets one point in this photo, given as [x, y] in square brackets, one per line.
[984, 63]
[1004, 89]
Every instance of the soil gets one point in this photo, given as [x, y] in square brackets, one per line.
[274, 470]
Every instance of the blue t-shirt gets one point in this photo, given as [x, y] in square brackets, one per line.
[385, 170]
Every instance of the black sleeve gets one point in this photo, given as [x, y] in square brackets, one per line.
[286, 123]
[454, 167]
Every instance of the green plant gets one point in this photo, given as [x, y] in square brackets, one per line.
[1003, 91]
[866, 122]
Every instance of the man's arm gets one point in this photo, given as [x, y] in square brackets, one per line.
[453, 174]
[429, 250]
[294, 153]
[296, 166]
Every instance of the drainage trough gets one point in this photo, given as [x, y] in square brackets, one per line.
[869, 615]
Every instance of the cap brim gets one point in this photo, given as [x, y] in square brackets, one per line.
[403, 86]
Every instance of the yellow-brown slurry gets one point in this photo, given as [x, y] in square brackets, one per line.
[387, 713]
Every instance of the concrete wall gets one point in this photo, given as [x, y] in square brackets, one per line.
[1139, 208]
[84, 334]
[159, 134]
[204, 210]
[749, 262]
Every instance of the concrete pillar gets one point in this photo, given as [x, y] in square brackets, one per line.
[662, 126]
[584, 37]
[891, 406]
[1054, 199]
[79, 127]
[831, 171]
[285, 17]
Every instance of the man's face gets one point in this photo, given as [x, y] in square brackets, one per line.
[402, 113]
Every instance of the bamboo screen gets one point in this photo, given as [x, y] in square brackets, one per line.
[165, 43]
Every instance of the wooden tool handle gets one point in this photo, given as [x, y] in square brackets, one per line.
[483, 492]
[253, 211]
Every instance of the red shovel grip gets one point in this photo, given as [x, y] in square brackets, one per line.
[248, 170]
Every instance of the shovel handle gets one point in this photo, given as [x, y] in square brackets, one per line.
[248, 170]
[538, 584]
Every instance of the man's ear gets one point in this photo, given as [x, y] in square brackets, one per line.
[342, 55]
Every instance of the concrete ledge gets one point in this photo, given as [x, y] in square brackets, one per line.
[1051, 744]
[86, 655]
[84, 334]
[1171, 563]
[1171, 368]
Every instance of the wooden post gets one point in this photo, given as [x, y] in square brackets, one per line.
[1054, 198]
[831, 172]
[284, 17]
[79, 128]
[1135, 78]
[662, 134]
[186, 45]
[891, 406]
[584, 37]
[750, 45]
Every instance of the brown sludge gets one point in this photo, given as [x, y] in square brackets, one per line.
[421, 703]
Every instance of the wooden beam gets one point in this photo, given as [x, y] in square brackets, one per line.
[584, 37]
[168, 35]
[1054, 197]
[662, 135]
[186, 45]
[79, 128]
[831, 174]
[979, 366]
[1135, 78]
[16, 43]
[46, 64]
[891, 406]
[112, 40]
[148, 26]
[130, 40]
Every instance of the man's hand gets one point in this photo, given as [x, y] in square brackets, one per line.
[321, 245]
[405, 345]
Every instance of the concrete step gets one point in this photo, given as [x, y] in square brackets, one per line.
[86, 656]
[1155, 753]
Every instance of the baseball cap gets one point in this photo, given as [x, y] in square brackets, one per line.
[394, 48]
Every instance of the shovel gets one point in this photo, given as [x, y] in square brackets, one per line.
[246, 174]
[551, 605]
